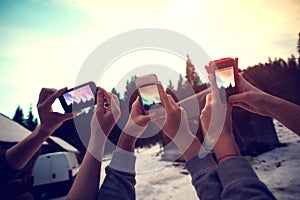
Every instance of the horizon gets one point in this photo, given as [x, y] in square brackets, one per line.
[45, 43]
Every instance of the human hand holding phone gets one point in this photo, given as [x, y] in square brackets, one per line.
[50, 120]
[104, 118]
[216, 122]
[175, 125]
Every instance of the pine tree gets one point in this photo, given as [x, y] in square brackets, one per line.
[191, 75]
[30, 121]
[114, 91]
[170, 85]
[19, 116]
[292, 62]
[130, 87]
[180, 85]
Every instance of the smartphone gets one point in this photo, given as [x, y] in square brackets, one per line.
[226, 73]
[79, 97]
[148, 92]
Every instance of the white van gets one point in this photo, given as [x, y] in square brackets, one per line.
[53, 174]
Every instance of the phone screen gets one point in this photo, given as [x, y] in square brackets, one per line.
[150, 97]
[79, 97]
[225, 79]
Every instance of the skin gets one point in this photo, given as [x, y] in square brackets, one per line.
[175, 126]
[262, 103]
[226, 146]
[18, 155]
[135, 127]
[86, 184]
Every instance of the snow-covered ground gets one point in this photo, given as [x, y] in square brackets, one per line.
[279, 169]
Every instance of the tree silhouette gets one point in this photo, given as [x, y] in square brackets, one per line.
[180, 85]
[298, 48]
[19, 116]
[30, 122]
[114, 91]
[171, 86]
[191, 75]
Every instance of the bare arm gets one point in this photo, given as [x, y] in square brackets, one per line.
[18, 155]
[257, 101]
[86, 184]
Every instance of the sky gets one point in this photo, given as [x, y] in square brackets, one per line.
[44, 43]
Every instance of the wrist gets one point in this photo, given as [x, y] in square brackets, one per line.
[226, 146]
[188, 144]
[96, 144]
[193, 149]
[225, 157]
[42, 132]
[133, 129]
[126, 142]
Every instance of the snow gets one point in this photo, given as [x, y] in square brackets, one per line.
[279, 169]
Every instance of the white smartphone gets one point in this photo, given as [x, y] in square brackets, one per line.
[148, 92]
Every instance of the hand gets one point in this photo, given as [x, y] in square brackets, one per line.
[214, 110]
[104, 118]
[137, 122]
[251, 98]
[176, 126]
[216, 123]
[50, 120]
[175, 117]
[135, 127]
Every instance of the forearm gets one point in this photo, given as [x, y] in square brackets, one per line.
[226, 147]
[126, 142]
[119, 181]
[193, 149]
[18, 155]
[285, 112]
[86, 184]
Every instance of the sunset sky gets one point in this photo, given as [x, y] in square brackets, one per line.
[43, 43]
[225, 77]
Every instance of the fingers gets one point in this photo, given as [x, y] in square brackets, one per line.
[208, 98]
[163, 96]
[100, 101]
[214, 87]
[244, 106]
[44, 93]
[172, 101]
[49, 100]
[242, 97]
[71, 115]
[137, 106]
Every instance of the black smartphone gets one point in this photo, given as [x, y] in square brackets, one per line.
[148, 92]
[226, 73]
[79, 97]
